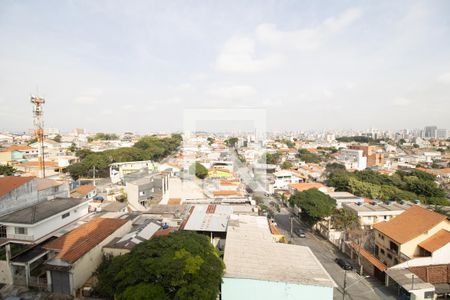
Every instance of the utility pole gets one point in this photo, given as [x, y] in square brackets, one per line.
[292, 219]
[345, 284]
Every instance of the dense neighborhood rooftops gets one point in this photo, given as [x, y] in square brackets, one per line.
[436, 241]
[410, 224]
[10, 183]
[83, 190]
[342, 195]
[74, 244]
[114, 206]
[251, 253]
[41, 211]
[139, 234]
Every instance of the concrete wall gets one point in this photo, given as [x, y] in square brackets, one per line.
[5, 272]
[433, 274]
[115, 251]
[244, 289]
[84, 267]
[61, 191]
[21, 197]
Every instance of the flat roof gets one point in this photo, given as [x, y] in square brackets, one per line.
[209, 218]
[252, 253]
[404, 278]
[366, 207]
[41, 211]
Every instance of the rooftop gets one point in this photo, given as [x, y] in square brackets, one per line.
[306, 186]
[250, 252]
[74, 244]
[404, 278]
[378, 207]
[17, 148]
[209, 218]
[45, 183]
[436, 241]
[10, 183]
[40, 211]
[83, 189]
[410, 224]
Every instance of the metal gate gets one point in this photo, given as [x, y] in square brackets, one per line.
[60, 282]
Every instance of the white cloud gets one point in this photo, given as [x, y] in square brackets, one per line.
[85, 99]
[401, 101]
[232, 92]
[304, 39]
[444, 78]
[327, 93]
[238, 55]
[342, 21]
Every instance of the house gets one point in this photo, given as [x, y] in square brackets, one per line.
[371, 213]
[75, 256]
[17, 153]
[344, 197]
[49, 189]
[35, 222]
[256, 267]
[84, 191]
[374, 155]
[118, 171]
[352, 159]
[33, 168]
[283, 178]
[51, 148]
[146, 190]
[400, 239]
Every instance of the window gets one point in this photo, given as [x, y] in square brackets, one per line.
[141, 193]
[389, 256]
[65, 215]
[429, 295]
[2, 231]
[393, 247]
[382, 251]
[20, 230]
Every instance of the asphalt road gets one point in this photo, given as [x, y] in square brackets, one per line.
[358, 287]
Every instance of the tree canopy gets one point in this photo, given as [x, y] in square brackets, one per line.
[182, 265]
[286, 165]
[231, 142]
[308, 157]
[147, 148]
[198, 170]
[270, 158]
[314, 204]
[403, 185]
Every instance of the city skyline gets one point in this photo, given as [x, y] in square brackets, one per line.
[115, 67]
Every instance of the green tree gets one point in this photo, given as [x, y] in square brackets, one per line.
[334, 167]
[343, 219]
[231, 142]
[199, 170]
[286, 165]
[210, 140]
[307, 156]
[182, 265]
[314, 204]
[7, 170]
[57, 138]
[270, 158]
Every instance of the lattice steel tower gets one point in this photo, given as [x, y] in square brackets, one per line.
[38, 120]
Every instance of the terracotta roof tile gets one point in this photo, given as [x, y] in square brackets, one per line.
[74, 244]
[436, 241]
[306, 186]
[10, 183]
[227, 193]
[174, 201]
[410, 224]
[372, 259]
[17, 148]
[84, 189]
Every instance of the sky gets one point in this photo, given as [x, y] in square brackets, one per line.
[116, 66]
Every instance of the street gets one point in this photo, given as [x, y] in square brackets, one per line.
[357, 287]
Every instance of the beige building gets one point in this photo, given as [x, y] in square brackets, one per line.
[399, 239]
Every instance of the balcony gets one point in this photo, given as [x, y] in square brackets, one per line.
[22, 237]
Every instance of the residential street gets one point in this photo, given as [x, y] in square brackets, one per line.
[358, 287]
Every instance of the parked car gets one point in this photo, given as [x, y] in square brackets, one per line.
[343, 264]
[99, 198]
[300, 233]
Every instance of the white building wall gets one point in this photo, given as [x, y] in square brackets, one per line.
[84, 267]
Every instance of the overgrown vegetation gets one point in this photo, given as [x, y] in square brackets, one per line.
[147, 148]
[182, 265]
[103, 137]
[308, 157]
[286, 165]
[358, 139]
[403, 185]
[270, 158]
[231, 142]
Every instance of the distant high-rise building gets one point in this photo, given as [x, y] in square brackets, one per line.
[442, 133]
[430, 132]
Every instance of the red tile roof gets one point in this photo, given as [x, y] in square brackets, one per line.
[17, 148]
[10, 183]
[227, 193]
[372, 259]
[413, 222]
[436, 241]
[306, 186]
[84, 189]
[76, 243]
